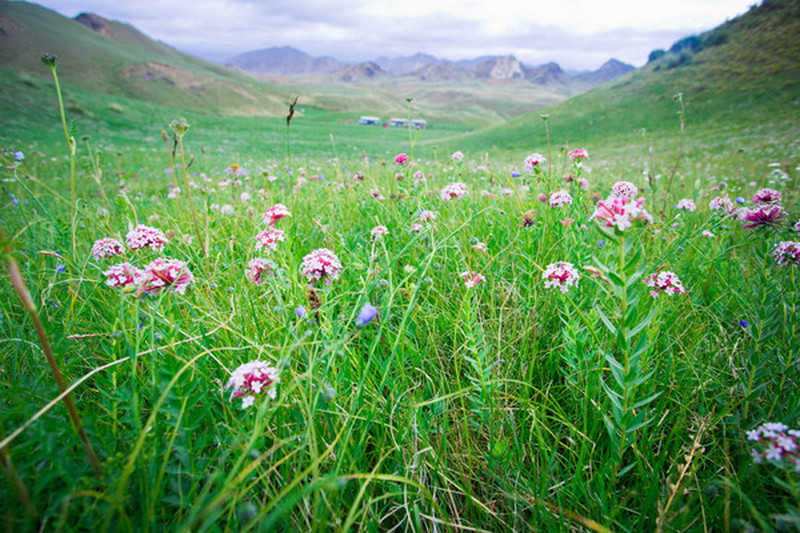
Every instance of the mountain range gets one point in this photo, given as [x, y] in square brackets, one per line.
[288, 61]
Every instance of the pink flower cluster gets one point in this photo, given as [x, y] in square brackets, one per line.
[561, 275]
[457, 156]
[106, 247]
[472, 278]
[401, 159]
[532, 161]
[578, 153]
[560, 198]
[687, 204]
[258, 269]
[161, 274]
[321, 264]
[252, 379]
[273, 214]
[762, 215]
[776, 442]
[665, 281]
[379, 231]
[621, 212]
[146, 237]
[766, 196]
[722, 203]
[624, 189]
[787, 253]
[269, 238]
[453, 190]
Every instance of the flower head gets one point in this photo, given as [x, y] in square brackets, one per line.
[453, 190]
[762, 215]
[687, 204]
[146, 237]
[472, 278]
[787, 253]
[368, 312]
[533, 161]
[426, 215]
[665, 281]
[253, 379]
[560, 198]
[579, 153]
[561, 275]
[776, 442]
[624, 189]
[19, 156]
[621, 212]
[379, 231]
[321, 264]
[275, 213]
[165, 274]
[123, 275]
[258, 269]
[457, 156]
[269, 238]
[766, 196]
[106, 247]
[401, 159]
[722, 203]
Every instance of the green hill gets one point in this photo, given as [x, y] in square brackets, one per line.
[742, 76]
[115, 59]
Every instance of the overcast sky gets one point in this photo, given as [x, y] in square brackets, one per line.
[577, 34]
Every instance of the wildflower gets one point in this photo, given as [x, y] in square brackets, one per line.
[583, 183]
[560, 198]
[457, 156]
[368, 312]
[236, 170]
[566, 222]
[621, 212]
[766, 196]
[624, 189]
[379, 231]
[106, 247]
[377, 195]
[252, 379]
[528, 218]
[472, 278]
[787, 253]
[541, 197]
[244, 197]
[300, 311]
[708, 234]
[257, 270]
[776, 442]
[664, 281]
[269, 238]
[561, 275]
[19, 156]
[171, 274]
[416, 228]
[578, 153]
[480, 246]
[321, 264]
[515, 174]
[60, 269]
[123, 275]
[722, 203]
[453, 190]
[173, 193]
[145, 237]
[401, 159]
[532, 161]
[743, 323]
[762, 215]
[275, 213]
[227, 210]
[686, 204]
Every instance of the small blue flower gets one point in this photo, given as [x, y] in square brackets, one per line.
[743, 323]
[740, 199]
[60, 268]
[600, 243]
[368, 312]
[300, 311]
[19, 156]
[515, 174]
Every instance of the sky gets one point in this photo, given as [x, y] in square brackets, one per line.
[577, 34]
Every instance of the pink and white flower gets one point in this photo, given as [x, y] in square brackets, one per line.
[687, 204]
[146, 237]
[251, 380]
[766, 196]
[273, 214]
[578, 153]
[269, 238]
[321, 264]
[170, 274]
[453, 190]
[106, 247]
[472, 278]
[561, 275]
[123, 275]
[787, 253]
[258, 269]
[776, 442]
[621, 212]
[457, 156]
[722, 203]
[624, 189]
[664, 281]
[762, 215]
[379, 231]
[401, 159]
[533, 161]
[560, 198]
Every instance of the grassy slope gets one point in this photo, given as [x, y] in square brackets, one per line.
[750, 81]
[115, 65]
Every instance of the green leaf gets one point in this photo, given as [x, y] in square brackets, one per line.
[611, 430]
[646, 401]
[643, 324]
[605, 320]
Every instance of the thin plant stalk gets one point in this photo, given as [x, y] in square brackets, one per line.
[16, 482]
[20, 288]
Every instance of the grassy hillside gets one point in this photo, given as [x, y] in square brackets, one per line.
[118, 60]
[740, 78]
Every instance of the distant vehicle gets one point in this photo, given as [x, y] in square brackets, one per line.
[370, 121]
[398, 122]
[419, 123]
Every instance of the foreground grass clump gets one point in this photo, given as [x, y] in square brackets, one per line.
[426, 344]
